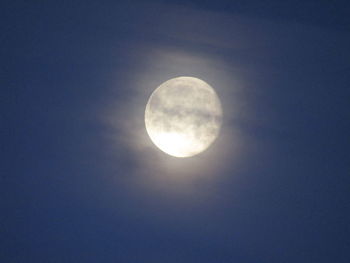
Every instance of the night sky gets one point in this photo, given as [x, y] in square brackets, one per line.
[80, 180]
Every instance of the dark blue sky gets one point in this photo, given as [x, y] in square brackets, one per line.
[80, 180]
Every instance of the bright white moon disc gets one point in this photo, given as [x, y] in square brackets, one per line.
[183, 116]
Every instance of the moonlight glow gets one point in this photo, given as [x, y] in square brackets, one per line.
[183, 116]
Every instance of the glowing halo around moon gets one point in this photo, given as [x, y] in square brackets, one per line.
[183, 116]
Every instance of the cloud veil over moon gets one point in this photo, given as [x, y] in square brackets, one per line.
[183, 116]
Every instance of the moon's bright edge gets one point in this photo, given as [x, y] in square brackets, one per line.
[183, 116]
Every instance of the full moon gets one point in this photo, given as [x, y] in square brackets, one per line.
[183, 116]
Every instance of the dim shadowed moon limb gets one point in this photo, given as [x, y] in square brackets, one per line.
[183, 116]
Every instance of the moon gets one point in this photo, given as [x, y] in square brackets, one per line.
[183, 116]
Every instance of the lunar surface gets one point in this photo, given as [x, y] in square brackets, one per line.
[183, 116]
